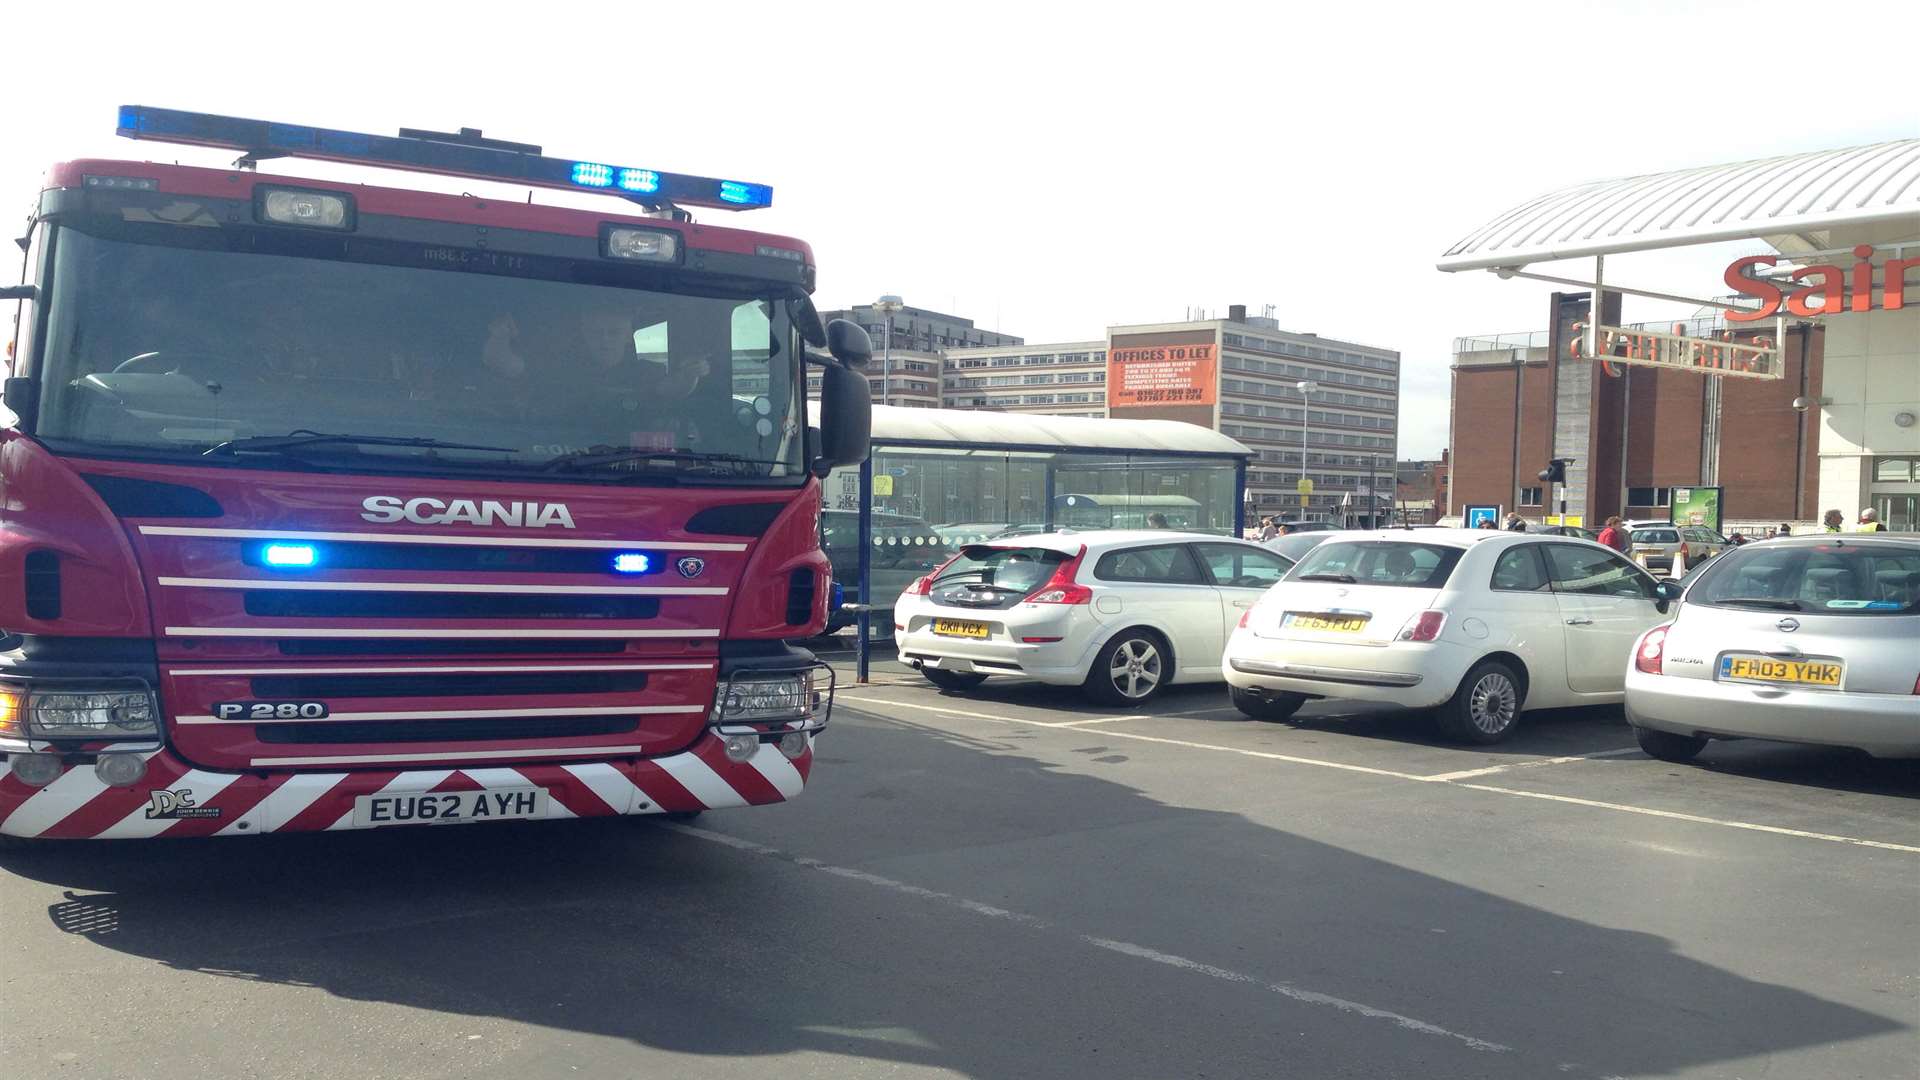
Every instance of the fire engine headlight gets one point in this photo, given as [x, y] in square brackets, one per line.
[754, 698]
[643, 245]
[120, 770]
[310, 209]
[35, 770]
[108, 714]
[742, 747]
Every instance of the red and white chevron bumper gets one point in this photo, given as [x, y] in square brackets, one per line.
[176, 799]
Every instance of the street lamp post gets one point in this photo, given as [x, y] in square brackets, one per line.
[1305, 386]
[887, 306]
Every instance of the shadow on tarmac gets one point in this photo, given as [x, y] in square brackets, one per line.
[635, 932]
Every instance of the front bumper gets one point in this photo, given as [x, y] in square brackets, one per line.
[1884, 725]
[199, 802]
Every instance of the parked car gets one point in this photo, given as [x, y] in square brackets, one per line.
[1658, 541]
[1310, 526]
[1122, 613]
[1812, 639]
[904, 548]
[973, 532]
[1574, 531]
[1294, 546]
[1479, 624]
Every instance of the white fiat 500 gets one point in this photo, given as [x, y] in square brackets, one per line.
[1122, 613]
[1478, 624]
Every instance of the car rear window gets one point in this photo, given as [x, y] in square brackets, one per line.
[1379, 562]
[1001, 569]
[1832, 579]
[1655, 536]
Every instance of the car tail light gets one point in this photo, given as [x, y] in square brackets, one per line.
[1061, 588]
[1916, 687]
[1041, 640]
[1648, 656]
[1244, 616]
[1423, 627]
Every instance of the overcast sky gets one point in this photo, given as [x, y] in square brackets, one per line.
[1048, 169]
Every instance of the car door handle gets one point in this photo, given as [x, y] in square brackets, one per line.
[1245, 603]
[1579, 622]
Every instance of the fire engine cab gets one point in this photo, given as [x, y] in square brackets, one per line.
[328, 505]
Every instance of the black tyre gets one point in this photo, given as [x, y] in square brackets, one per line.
[1486, 707]
[956, 681]
[1131, 670]
[1272, 706]
[1667, 746]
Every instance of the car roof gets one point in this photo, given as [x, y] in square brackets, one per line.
[1896, 540]
[1100, 539]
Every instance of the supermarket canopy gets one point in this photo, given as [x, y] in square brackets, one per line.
[1782, 200]
[895, 425]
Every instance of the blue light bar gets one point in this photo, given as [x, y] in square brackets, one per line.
[632, 562]
[289, 556]
[464, 154]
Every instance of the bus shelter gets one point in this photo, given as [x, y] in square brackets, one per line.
[939, 479]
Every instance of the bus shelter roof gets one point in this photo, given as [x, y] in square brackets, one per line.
[895, 425]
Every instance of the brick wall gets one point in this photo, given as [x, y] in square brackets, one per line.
[1480, 469]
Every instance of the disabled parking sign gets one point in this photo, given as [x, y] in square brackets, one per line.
[1478, 514]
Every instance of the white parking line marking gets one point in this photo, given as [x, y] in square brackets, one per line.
[1443, 778]
[1695, 818]
[1264, 754]
[1141, 952]
[1534, 763]
[1098, 720]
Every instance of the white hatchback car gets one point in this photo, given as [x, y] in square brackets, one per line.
[1122, 613]
[1479, 624]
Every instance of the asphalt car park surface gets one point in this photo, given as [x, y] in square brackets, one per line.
[1015, 883]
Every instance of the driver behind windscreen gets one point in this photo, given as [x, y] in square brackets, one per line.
[600, 361]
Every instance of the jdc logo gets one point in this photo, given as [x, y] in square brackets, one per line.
[178, 804]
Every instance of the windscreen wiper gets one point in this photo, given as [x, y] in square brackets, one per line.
[1772, 603]
[1345, 579]
[610, 455]
[274, 444]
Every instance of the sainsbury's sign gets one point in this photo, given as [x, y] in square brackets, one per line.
[1824, 289]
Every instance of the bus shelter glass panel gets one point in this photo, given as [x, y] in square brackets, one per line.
[1131, 491]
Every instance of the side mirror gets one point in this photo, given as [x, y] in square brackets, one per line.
[846, 413]
[1667, 591]
[849, 344]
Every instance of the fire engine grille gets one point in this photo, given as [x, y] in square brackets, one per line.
[291, 603]
[330, 687]
[445, 647]
[488, 729]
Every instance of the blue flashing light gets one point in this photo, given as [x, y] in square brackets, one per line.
[289, 556]
[640, 181]
[587, 174]
[632, 562]
[739, 194]
[451, 155]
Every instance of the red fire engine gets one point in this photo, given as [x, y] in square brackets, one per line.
[334, 506]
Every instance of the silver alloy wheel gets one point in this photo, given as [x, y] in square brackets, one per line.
[1136, 668]
[1492, 703]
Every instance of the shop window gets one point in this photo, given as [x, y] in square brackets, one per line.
[1896, 470]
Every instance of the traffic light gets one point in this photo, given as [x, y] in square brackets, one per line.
[1556, 471]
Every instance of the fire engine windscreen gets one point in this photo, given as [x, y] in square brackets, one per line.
[162, 351]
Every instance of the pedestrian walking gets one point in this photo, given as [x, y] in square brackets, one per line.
[1268, 530]
[1784, 530]
[1516, 523]
[1870, 521]
[1615, 534]
[1833, 520]
[1485, 523]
